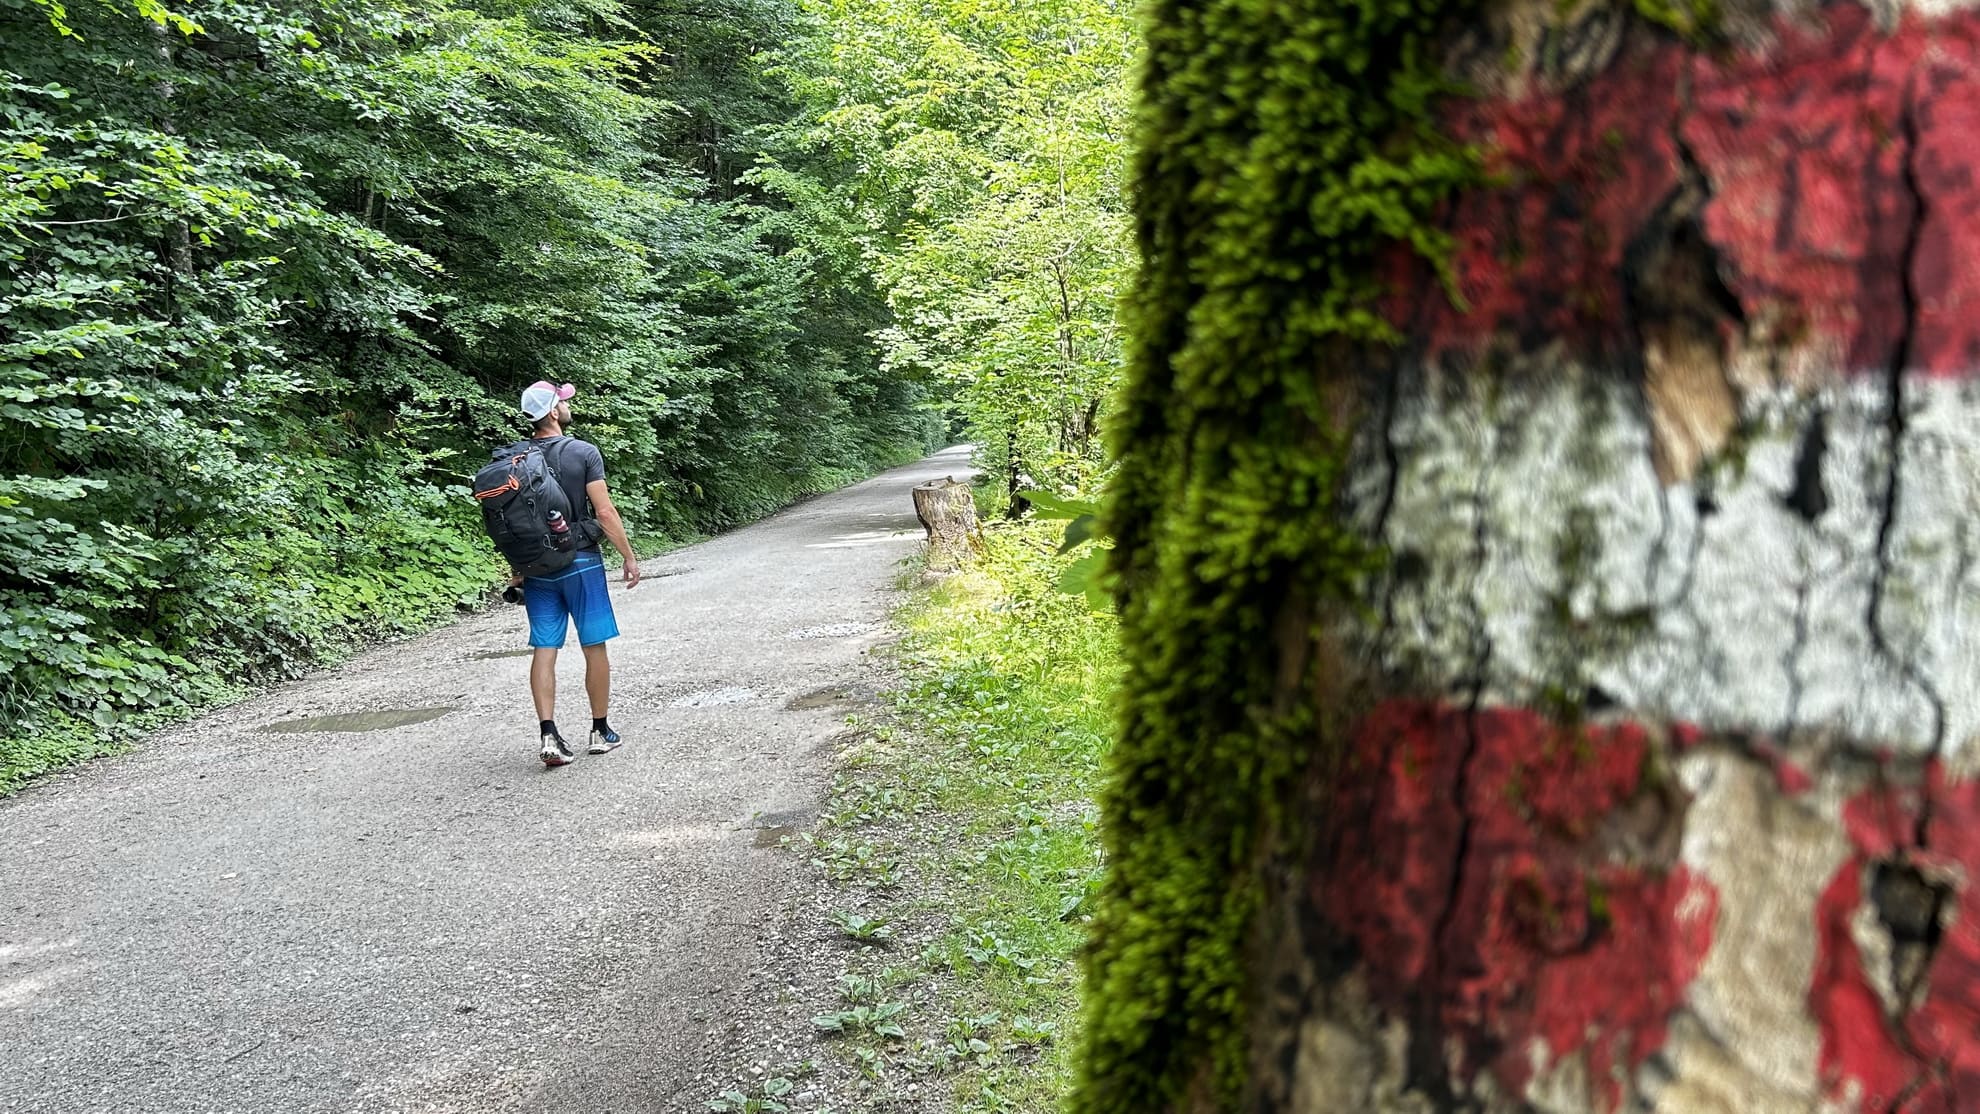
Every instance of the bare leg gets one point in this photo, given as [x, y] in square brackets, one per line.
[598, 679]
[543, 683]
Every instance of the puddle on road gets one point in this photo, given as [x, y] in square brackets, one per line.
[358, 721]
[773, 828]
[836, 696]
[491, 655]
[772, 837]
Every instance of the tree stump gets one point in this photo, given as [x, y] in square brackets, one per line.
[948, 512]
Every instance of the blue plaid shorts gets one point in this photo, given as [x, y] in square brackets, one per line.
[577, 593]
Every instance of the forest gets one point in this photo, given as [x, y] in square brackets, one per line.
[1481, 500]
[273, 274]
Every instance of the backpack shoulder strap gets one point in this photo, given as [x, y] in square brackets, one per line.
[553, 452]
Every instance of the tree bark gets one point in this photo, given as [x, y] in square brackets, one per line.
[1639, 774]
[178, 237]
[1013, 472]
[948, 513]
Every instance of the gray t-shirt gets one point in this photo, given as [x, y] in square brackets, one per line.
[576, 463]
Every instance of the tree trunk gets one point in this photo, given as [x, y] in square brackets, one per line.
[1089, 426]
[948, 512]
[1013, 473]
[178, 238]
[1571, 708]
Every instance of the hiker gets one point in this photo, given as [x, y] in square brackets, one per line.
[577, 592]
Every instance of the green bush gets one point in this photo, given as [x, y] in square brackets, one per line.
[272, 275]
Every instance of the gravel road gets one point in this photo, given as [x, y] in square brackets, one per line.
[421, 917]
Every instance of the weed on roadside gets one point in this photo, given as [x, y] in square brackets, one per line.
[863, 929]
[963, 826]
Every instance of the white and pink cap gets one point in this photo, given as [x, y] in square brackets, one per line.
[539, 398]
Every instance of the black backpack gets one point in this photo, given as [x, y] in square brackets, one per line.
[518, 490]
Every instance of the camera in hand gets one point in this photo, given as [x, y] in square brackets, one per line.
[513, 593]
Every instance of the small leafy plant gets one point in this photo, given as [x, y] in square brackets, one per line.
[846, 860]
[768, 1102]
[1078, 892]
[987, 949]
[1086, 576]
[862, 928]
[966, 1039]
[1024, 1030]
[858, 989]
[878, 1020]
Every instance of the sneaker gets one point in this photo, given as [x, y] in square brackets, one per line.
[604, 742]
[556, 752]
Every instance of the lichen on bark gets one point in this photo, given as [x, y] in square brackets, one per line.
[1284, 148]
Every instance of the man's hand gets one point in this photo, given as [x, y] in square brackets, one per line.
[631, 569]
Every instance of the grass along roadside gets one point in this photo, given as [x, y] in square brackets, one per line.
[961, 842]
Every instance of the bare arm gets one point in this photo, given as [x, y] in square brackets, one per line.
[615, 528]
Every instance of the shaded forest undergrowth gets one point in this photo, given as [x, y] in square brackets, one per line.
[274, 274]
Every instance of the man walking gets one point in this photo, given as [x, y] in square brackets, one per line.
[578, 592]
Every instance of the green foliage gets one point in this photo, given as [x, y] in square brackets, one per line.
[1692, 19]
[1014, 681]
[855, 862]
[878, 1020]
[980, 791]
[768, 1101]
[765, 1096]
[984, 146]
[274, 273]
[862, 928]
[1086, 576]
[1283, 150]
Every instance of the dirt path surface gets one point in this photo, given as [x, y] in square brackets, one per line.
[421, 917]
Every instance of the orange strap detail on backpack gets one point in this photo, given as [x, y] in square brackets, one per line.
[512, 485]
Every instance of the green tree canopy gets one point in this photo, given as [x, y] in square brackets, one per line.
[273, 272]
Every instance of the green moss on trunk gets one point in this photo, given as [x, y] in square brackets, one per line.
[1285, 146]
[1696, 20]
